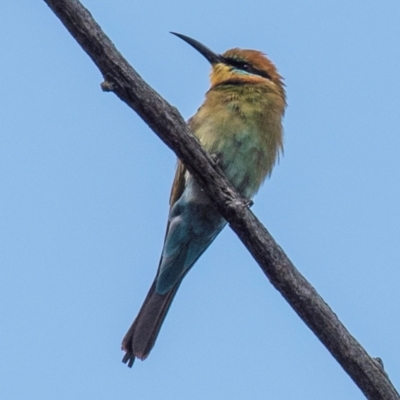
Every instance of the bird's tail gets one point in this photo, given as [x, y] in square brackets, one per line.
[141, 336]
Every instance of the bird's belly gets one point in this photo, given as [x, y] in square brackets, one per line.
[241, 163]
[245, 144]
[244, 162]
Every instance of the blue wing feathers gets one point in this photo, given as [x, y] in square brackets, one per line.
[192, 228]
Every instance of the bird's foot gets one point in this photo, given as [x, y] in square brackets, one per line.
[248, 203]
[215, 159]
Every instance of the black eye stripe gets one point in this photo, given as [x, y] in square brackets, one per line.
[245, 66]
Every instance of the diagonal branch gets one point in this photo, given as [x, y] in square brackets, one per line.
[169, 125]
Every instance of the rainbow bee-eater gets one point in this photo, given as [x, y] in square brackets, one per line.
[240, 125]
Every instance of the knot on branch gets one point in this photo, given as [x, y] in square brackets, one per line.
[107, 86]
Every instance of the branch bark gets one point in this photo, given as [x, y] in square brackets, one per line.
[169, 125]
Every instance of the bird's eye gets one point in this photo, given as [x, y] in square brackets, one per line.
[246, 66]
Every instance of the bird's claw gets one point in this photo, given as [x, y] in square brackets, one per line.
[215, 158]
[248, 203]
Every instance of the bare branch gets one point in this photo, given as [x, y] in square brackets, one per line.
[169, 125]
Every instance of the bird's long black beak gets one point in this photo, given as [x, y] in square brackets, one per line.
[205, 51]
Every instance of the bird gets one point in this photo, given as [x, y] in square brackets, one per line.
[240, 125]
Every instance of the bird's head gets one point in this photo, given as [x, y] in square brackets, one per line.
[239, 66]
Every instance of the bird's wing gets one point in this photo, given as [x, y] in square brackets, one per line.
[178, 185]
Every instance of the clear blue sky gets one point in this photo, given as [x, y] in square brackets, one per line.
[84, 188]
